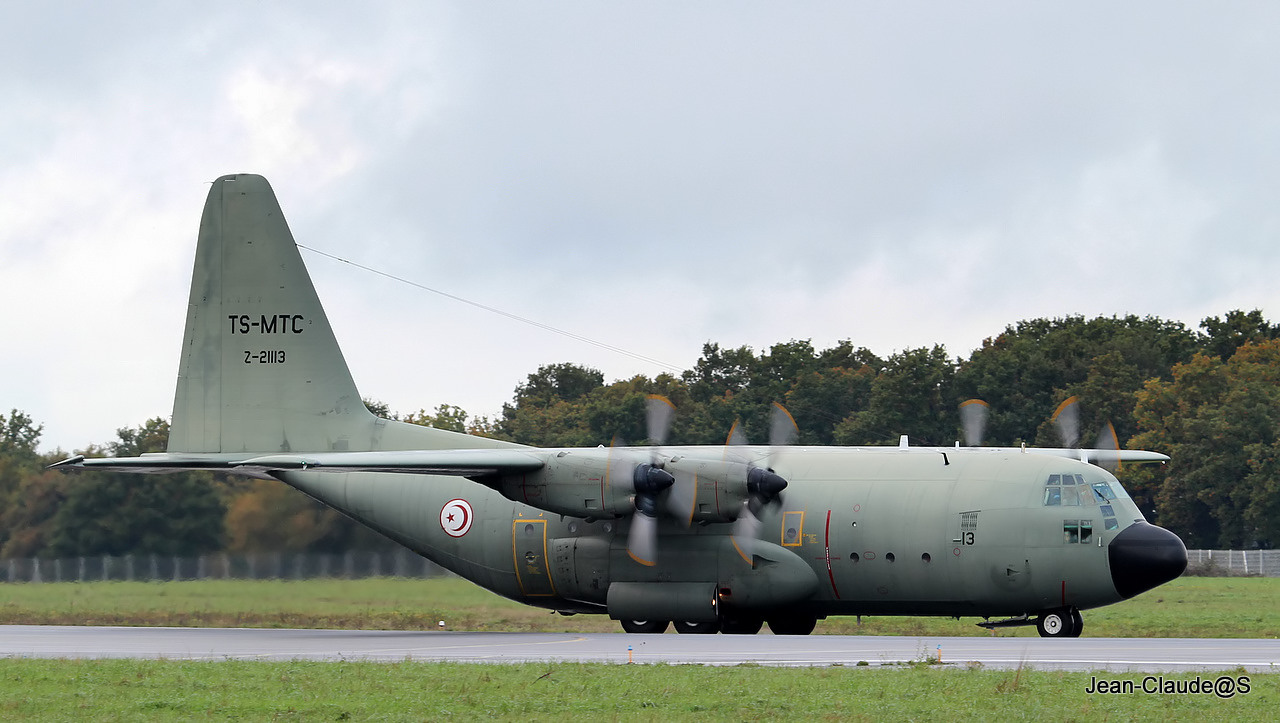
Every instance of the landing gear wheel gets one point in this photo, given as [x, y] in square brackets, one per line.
[645, 627]
[1056, 624]
[697, 628]
[793, 624]
[1077, 623]
[741, 625]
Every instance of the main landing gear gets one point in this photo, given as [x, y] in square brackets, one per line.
[645, 627]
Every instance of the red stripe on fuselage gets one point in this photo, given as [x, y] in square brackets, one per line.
[826, 541]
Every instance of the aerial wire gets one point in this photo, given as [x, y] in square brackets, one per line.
[500, 312]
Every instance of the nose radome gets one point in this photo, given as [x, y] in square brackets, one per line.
[1143, 556]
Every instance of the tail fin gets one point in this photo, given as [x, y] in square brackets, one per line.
[261, 370]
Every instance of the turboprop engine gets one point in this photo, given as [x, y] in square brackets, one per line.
[606, 483]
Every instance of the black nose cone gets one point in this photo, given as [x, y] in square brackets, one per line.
[1143, 556]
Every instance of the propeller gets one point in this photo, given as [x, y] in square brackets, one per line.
[1067, 419]
[973, 417]
[659, 413]
[647, 479]
[764, 486]
[1108, 442]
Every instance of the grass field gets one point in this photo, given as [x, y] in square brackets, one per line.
[1187, 607]
[160, 690]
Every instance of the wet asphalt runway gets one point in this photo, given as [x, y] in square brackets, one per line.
[1111, 654]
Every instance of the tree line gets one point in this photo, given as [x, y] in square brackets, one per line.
[1208, 397]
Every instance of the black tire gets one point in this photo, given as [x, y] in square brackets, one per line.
[697, 628]
[741, 625]
[1055, 624]
[1077, 623]
[645, 627]
[793, 624]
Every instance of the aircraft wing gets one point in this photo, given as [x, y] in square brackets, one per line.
[460, 462]
[1092, 456]
[1097, 456]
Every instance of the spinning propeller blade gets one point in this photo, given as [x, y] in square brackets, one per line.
[1108, 442]
[764, 486]
[648, 481]
[1067, 418]
[973, 417]
[642, 541]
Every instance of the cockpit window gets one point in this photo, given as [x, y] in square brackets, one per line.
[1070, 496]
[1068, 490]
[1103, 492]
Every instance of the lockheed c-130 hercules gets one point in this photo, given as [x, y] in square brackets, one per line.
[714, 539]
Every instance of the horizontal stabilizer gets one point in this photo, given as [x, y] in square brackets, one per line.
[460, 462]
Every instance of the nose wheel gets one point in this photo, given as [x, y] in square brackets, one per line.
[1067, 623]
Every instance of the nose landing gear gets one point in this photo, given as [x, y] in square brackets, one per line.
[1067, 623]
[1060, 623]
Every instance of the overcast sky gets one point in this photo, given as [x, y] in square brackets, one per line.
[652, 175]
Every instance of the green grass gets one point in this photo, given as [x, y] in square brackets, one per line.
[165, 690]
[1187, 607]
[170, 690]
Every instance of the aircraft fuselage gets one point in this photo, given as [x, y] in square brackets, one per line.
[886, 532]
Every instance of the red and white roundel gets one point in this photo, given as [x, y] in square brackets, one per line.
[456, 517]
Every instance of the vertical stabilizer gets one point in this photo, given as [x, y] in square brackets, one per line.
[261, 370]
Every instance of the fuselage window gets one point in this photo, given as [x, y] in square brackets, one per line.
[1077, 531]
[1111, 523]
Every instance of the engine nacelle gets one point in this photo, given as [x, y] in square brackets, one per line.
[575, 483]
[723, 486]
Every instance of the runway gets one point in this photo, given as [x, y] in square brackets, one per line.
[1110, 654]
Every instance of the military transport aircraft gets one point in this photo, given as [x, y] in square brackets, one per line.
[714, 539]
